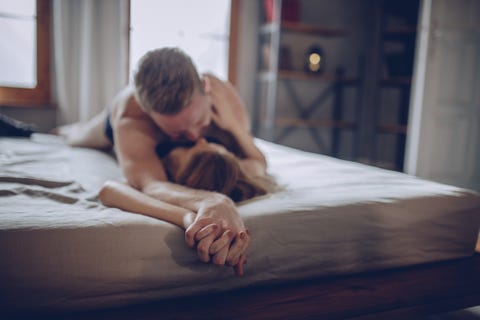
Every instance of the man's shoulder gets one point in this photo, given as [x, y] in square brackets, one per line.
[126, 105]
[128, 112]
[125, 94]
[213, 77]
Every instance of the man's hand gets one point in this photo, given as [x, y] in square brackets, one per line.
[219, 231]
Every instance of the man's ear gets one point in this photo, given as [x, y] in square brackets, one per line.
[207, 86]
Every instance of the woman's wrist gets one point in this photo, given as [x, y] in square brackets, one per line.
[188, 219]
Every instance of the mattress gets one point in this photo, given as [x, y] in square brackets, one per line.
[62, 250]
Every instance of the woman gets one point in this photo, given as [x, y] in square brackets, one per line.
[211, 167]
[206, 166]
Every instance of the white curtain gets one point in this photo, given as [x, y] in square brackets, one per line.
[90, 55]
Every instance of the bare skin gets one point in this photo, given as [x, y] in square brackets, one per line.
[137, 133]
[122, 196]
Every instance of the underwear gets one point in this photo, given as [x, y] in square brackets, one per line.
[108, 130]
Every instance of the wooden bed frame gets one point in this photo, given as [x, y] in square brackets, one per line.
[403, 293]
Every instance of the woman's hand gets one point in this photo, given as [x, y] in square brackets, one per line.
[238, 268]
[226, 252]
[221, 250]
[219, 231]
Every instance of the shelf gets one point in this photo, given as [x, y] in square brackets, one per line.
[313, 29]
[299, 75]
[312, 123]
[303, 28]
[392, 128]
[279, 77]
[395, 81]
[399, 32]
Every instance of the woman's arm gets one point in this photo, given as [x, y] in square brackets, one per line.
[122, 196]
[119, 195]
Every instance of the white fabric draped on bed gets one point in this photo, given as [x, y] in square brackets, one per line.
[63, 250]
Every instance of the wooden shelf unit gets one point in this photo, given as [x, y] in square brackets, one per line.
[395, 81]
[302, 76]
[392, 128]
[312, 29]
[324, 123]
[275, 127]
[303, 28]
[396, 31]
[399, 31]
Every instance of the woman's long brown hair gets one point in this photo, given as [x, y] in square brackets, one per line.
[212, 171]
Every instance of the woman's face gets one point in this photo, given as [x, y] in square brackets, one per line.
[182, 155]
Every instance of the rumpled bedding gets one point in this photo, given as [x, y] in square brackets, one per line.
[62, 250]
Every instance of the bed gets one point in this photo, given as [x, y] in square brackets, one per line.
[337, 240]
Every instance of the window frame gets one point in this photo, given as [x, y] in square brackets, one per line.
[41, 94]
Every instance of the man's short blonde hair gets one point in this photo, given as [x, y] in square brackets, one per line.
[165, 81]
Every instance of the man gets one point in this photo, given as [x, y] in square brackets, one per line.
[170, 102]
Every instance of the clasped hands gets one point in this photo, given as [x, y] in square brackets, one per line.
[219, 235]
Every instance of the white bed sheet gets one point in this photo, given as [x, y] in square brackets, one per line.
[61, 250]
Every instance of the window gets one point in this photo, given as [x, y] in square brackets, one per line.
[25, 53]
[200, 28]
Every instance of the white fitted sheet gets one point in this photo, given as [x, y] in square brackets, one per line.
[61, 250]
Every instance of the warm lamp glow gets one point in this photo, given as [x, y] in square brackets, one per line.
[314, 67]
[314, 58]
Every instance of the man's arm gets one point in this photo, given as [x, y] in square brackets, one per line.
[135, 147]
[254, 163]
[230, 114]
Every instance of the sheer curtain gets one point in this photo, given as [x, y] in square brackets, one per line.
[90, 55]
